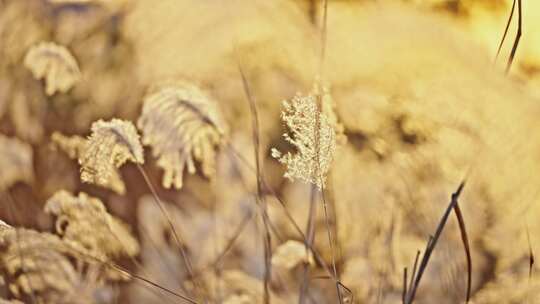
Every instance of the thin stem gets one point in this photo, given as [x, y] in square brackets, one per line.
[432, 242]
[404, 293]
[316, 254]
[230, 243]
[332, 249]
[322, 55]
[217, 266]
[317, 146]
[516, 41]
[415, 266]
[135, 276]
[308, 242]
[531, 262]
[261, 201]
[161, 257]
[271, 190]
[134, 260]
[178, 239]
[505, 31]
[467, 247]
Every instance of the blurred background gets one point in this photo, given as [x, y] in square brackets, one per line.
[415, 85]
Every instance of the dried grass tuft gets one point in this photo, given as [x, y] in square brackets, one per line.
[55, 64]
[111, 144]
[314, 133]
[183, 125]
[84, 220]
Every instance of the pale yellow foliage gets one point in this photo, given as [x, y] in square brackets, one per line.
[238, 299]
[313, 133]
[84, 220]
[15, 161]
[4, 226]
[239, 283]
[183, 125]
[72, 1]
[74, 147]
[37, 263]
[4, 301]
[110, 145]
[510, 288]
[291, 253]
[55, 64]
[113, 5]
[419, 119]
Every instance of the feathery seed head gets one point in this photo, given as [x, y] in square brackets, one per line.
[183, 125]
[75, 147]
[313, 132]
[55, 64]
[40, 264]
[110, 145]
[85, 221]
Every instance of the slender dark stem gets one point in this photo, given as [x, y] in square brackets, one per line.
[432, 242]
[531, 254]
[404, 294]
[161, 256]
[272, 191]
[230, 243]
[505, 31]
[178, 239]
[308, 242]
[217, 267]
[137, 263]
[317, 146]
[531, 262]
[415, 266]
[134, 276]
[332, 248]
[312, 11]
[324, 203]
[259, 197]
[316, 254]
[516, 41]
[467, 247]
[323, 39]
